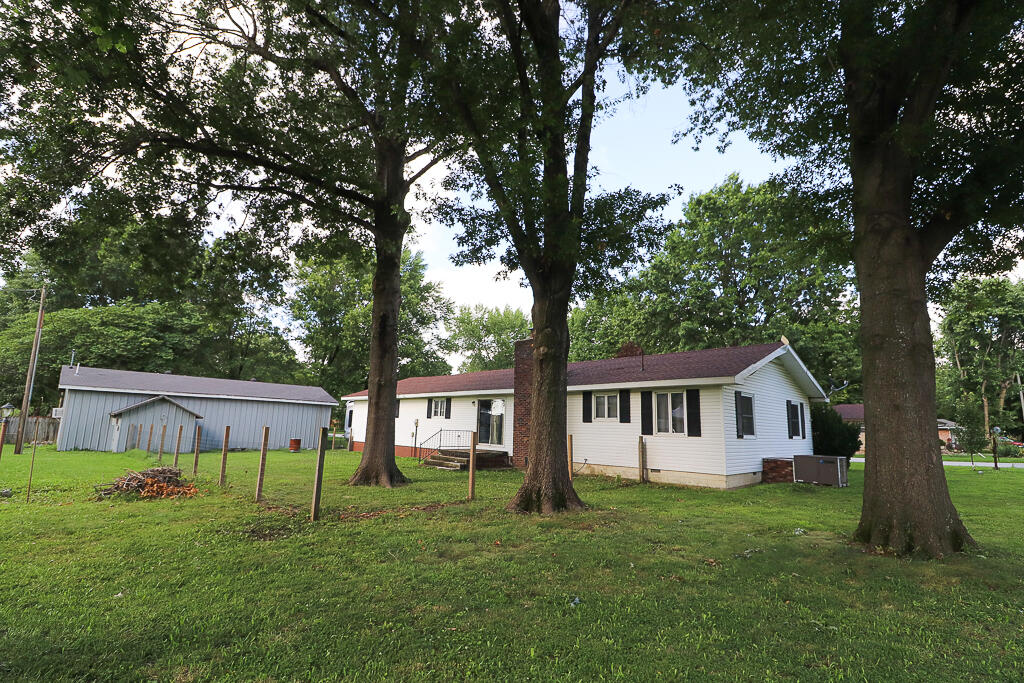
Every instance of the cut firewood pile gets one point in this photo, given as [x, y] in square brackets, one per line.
[156, 482]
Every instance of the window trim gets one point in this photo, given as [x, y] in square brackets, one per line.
[604, 399]
[686, 423]
[438, 409]
[753, 413]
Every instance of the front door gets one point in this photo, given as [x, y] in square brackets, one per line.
[491, 421]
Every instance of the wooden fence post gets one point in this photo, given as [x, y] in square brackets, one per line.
[149, 442]
[163, 437]
[334, 434]
[177, 444]
[641, 464]
[32, 466]
[138, 437]
[569, 446]
[195, 461]
[263, 464]
[472, 467]
[224, 457]
[318, 481]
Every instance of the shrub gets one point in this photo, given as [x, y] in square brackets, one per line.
[1008, 450]
[831, 435]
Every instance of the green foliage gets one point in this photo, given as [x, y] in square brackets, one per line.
[982, 343]
[1008, 450]
[831, 435]
[747, 265]
[154, 337]
[332, 305]
[795, 76]
[485, 336]
[970, 430]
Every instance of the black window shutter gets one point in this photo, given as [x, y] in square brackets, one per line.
[789, 418]
[430, 408]
[623, 405]
[803, 423]
[693, 411]
[398, 402]
[588, 406]
[739, 414]
[646, 413]
[448, 409]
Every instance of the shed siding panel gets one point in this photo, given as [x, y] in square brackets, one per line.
[772, 386]
[609, 442]
[87, 423]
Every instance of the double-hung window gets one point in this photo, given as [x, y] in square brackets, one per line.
[606, 406]
[437, 408]
[670, 412]
[744, 415]
[795, 419]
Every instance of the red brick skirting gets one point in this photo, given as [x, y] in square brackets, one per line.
[776, 471]
[400, 451]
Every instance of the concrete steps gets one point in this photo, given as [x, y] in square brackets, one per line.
[458, 460]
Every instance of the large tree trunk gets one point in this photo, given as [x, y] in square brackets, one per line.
[546, 487]
[906, 505]
[378, 466]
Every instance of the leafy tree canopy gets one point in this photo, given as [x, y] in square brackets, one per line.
[332, 307]
[152, 337]
[747, 265]
[486, 336]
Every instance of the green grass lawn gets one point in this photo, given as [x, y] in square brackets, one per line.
[653, 582]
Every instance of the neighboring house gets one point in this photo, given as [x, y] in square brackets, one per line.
[854, 414]
[708, 418]
[102, 410]
[946, 431]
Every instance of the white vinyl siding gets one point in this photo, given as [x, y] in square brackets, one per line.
[464, 416]
[613, 443]
[771, 386]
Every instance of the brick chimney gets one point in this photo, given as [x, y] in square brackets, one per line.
[522, 408]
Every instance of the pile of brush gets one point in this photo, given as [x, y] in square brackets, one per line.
[156, 482]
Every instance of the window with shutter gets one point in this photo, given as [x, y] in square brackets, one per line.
[793, 417]
[744, 415]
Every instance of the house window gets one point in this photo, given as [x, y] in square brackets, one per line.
[793, 411]
[744, 414]
[437, 409]
[606, 406]
[671, 412]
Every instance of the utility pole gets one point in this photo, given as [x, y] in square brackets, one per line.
[30, 377]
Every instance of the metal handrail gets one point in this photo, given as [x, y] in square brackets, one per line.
[443, 439]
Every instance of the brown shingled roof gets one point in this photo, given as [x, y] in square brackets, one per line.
[723, 362]
[850, 411]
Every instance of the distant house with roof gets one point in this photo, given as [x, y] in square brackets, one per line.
[115, 410]
[853, 413]
[708, 418]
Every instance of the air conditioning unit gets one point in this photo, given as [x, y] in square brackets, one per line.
[828, 470]
[57, 413]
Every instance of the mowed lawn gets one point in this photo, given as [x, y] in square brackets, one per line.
[652, 582]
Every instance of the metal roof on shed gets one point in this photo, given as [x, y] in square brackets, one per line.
[100, 379]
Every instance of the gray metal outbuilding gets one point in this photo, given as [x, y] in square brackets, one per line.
[102, 410]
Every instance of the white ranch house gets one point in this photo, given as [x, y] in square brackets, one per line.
[708, 418]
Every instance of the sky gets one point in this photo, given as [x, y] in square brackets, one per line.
[631, 148]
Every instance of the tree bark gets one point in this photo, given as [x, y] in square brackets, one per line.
[377, 466]
[906, 506]
[547, 487]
